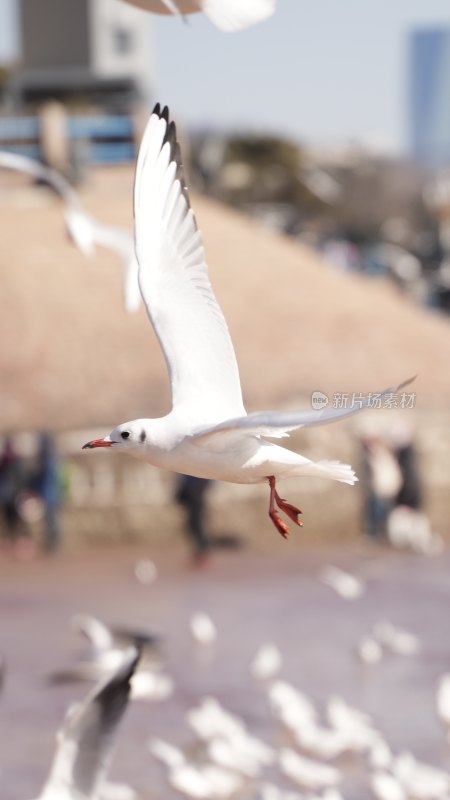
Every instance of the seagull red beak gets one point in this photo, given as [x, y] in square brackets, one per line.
[97, 443]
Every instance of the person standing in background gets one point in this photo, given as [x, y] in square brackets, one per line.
[47, 485]
[12, 483]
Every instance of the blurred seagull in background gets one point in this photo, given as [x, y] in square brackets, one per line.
[369, 651]
[344, 583]
[103, 637]
[79, 224]
[208, 433]
[203, 781]
[84, 231]
[396, 640]
[266, 663]
[306, 772]
[443, 701]
[202, 628]
[290, 706]
[145, 571]
[84, 743]
[228, 15]
[106, 651]
[386, 787]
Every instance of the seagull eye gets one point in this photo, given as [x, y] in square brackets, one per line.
[125, 434]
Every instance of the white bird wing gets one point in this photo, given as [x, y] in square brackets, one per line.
[228, 15]
[19, 163]
[235, 15]
[175, 285]
[97, 633]
[277, 424]
[178, 7]
[85, 231]
[121, 242]
[86, 737]
[79, 224]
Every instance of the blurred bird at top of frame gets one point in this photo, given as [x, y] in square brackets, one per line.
[84, 231]
[228, 15]
[85, 740]
[208, 433]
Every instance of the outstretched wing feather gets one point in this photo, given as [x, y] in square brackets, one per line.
[175, 285]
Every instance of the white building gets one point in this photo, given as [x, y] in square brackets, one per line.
[95, 52]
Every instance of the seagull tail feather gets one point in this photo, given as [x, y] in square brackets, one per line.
[334, 470]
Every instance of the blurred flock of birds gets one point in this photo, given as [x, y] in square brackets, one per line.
[310, 751]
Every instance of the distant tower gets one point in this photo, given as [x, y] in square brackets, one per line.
[88, 52]
[430, 96]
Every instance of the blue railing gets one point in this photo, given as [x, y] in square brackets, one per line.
[105, 140]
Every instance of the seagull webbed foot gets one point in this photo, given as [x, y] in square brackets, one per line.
[290, 510]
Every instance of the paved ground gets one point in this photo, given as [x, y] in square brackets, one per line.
[253, 598]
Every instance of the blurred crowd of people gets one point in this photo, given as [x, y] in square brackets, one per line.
[33, 488]
[31, 491]
[393, 498]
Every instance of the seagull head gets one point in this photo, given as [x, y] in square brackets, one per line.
[130, 436]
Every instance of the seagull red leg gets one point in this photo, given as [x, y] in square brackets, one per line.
[291, 511]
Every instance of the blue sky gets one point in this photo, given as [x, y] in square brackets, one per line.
[319, 70]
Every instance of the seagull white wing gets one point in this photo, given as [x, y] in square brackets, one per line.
[19, 163]
[86, 737]
[85, 231]
[228, 15]
[179, 7]
[175, 286]
[79, 224]
[97, 634]
[277, 424]
[121, 242]
[235, 15]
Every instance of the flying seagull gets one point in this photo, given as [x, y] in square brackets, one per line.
[85, 231]
[208, 433]
[228, 15]
[84, 742]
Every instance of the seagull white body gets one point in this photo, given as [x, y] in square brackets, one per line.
[207, 433]
[85, 231]
[85, 740]
[228, 15]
